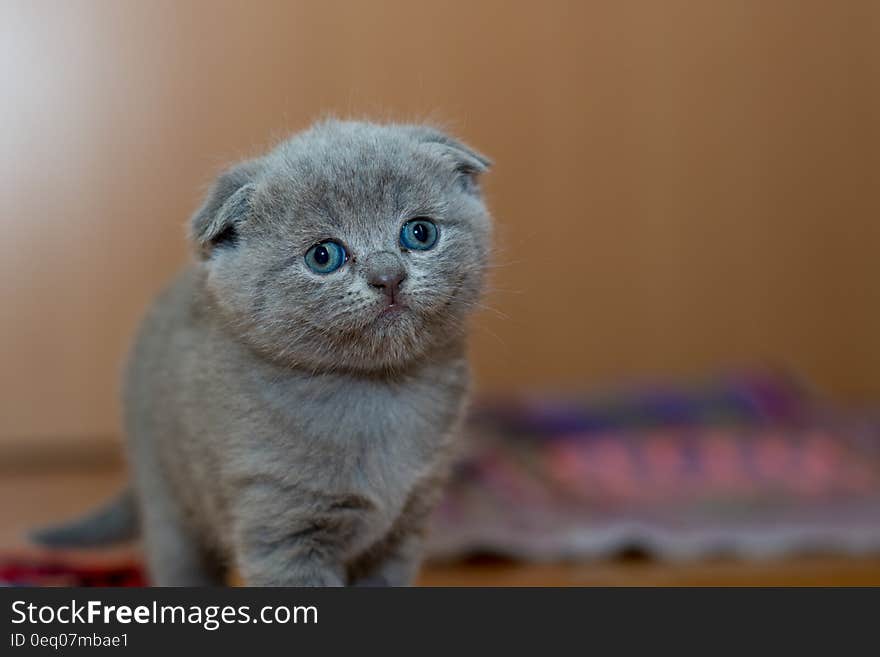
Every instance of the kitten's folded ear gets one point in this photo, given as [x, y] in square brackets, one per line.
[467, 161]
[227, 204]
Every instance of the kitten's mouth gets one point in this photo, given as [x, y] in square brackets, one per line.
[391, 313]
[393, 310]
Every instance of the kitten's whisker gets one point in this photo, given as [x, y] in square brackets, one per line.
[481, 327]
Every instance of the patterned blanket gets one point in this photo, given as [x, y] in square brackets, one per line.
[752, 465]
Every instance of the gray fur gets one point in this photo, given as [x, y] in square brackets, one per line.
[276, 421]
[113, 522]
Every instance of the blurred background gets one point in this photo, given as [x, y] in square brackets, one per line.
[682, 189]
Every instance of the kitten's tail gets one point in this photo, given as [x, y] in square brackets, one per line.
[114, 522]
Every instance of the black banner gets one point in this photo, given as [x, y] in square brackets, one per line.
[135, 621]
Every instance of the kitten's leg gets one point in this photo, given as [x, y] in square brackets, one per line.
[395, 560]
[175, 556]
[294, 560]
[278, 541]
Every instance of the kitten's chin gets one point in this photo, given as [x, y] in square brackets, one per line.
[394, 331]
[390, 338]
[390, 314]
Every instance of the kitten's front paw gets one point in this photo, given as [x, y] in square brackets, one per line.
[374, 581]
[297, 580]
[305, 575]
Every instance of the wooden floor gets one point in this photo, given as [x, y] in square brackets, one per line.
[35, 497]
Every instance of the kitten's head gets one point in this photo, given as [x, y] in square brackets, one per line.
[350, 246]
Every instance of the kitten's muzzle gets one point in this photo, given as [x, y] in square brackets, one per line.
[385, 272]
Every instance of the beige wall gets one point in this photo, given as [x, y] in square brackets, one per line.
[680, 186]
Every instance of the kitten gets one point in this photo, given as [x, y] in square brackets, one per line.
[292, 400]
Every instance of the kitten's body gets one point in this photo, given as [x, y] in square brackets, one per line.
[282, 422]
[247, 455]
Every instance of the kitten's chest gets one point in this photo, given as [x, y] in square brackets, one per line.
[335, 439]
[375, 439]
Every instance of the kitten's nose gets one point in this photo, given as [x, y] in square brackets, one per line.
[385, 272]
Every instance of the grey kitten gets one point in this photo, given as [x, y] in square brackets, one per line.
[292, 400]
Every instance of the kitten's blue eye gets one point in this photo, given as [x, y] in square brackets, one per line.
[419, 234]
[325, 257]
